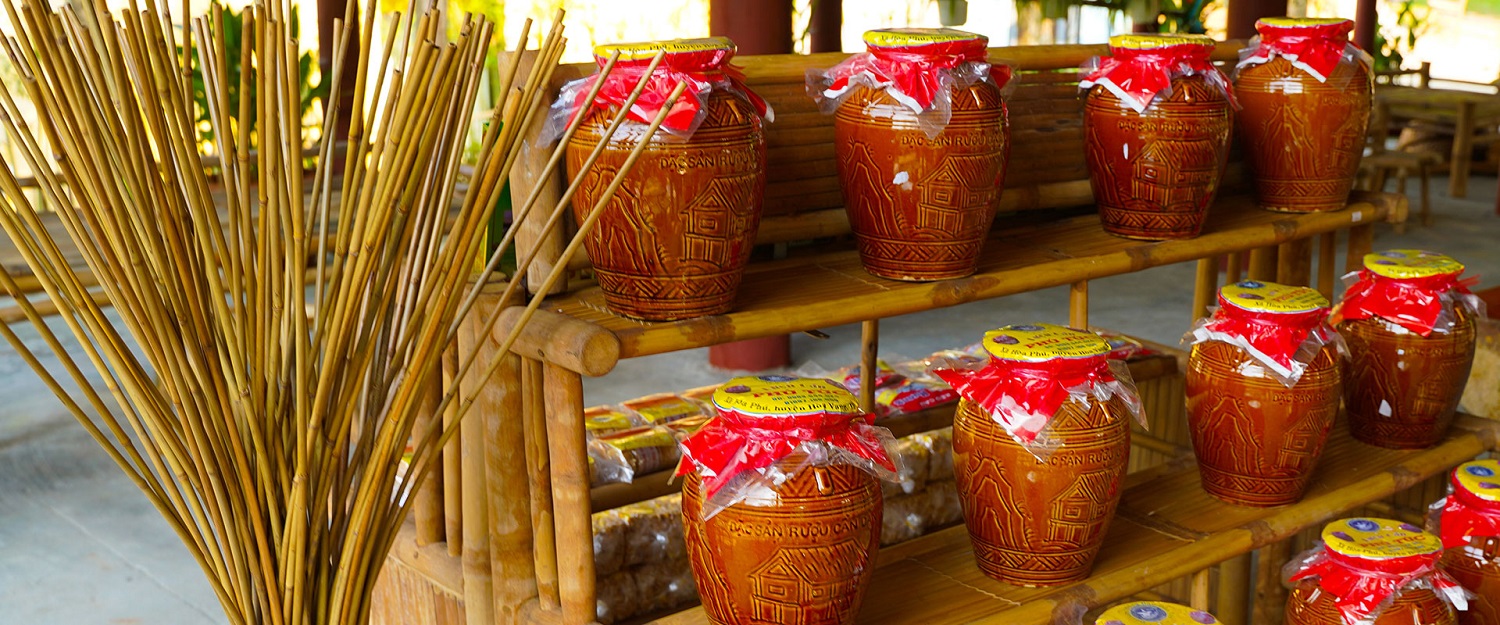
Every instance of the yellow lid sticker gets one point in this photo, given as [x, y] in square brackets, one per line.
[1269, 297]
[1152, 42]
[1040, 342]
[1408, 264]
[903, 37]
[1300, 22]
[784, 396]
[1379, 539]
[1481, 478]
[604, 419]
[662, 409]
[1154, 613]
[647, 49]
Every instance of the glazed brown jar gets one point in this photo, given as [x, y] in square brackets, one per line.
[1372, 570]
[922, 140]
[781, 509]
[675, 238]
[1263, 387]
[1041, 441]
[1154, 613]
[1156, 128]
[1410, 327]
[1470, 528]
[1304, 94]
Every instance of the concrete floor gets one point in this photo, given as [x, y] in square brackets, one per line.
[79, 545]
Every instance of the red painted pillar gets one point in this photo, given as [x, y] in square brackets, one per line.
[1365, 23]
[1240, 22]
[826, 26]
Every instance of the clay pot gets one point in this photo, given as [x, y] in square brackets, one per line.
[1039, 523]
[675, 238]
[1477, 567]
[1302, 136]
[1155, 172]
[1401, 389]
[1308, 605]
[1257, 441]
[807, 559]
[1367, 567]
[921, 207]
[1469, 524]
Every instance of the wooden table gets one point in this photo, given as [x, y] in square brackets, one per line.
[1461, 111]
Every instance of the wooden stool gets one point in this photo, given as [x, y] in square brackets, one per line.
[1377, 167]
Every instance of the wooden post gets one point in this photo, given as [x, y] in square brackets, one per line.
[453, 515]
[498, 408]
[1361, 242]
[428, 507]
[869, 334]
[1078, 304]
[524, 176]
[478, 587]
[1365, 23]
[1199, 593]
[539, 464]
[570, 493]
[1236, 268]
[1263, 264]
[1270, 595]
[1328, 275]
[1463, 144]
[1232, 601]
[1205, 287]
[1294, 262]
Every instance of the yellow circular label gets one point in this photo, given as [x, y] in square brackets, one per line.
[1379, 539]
[1269, 297]
[903, 37]
[647, 49]
[1152, 42]
[1301, 22]
[1408, 264]
[1154, 613]
[784, 396]
[1040, 342]
[1480, 477]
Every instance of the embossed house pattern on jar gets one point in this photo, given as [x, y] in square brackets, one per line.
[1074, 510]
[799, 582]
[714, 219]
[1173, 174]
[955, 194]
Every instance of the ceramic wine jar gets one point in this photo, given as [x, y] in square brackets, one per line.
[1154, 613]
[1156, 126]
[799, 551]
[1304, 94]
[1039, 473]
[1263, 387]
[922, 139]
[1470, 529]
[674, 240]
[1410, 327]
[1372, 569]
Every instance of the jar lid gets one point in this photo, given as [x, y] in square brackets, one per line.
[1041, 342]
[1480, 478]
[784, 396]
[1409, 264]
[914, 37]
[1156, 42]
[1154, 612]
[1379, 539]
[1269, 297]
[1301, 22]
[647, 49]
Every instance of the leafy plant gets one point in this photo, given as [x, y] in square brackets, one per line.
[1394, 42]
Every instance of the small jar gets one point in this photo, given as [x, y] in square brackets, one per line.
[1372, 570]
[1470, 528]
[1263, 387]
[1304, 93]
[1156, 128]
[922, 141]
[1154, 613]
[781, 509]
[1410, 326]
[1041, 441]
[674, 240]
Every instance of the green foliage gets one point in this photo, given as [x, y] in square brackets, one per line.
[1394, 41]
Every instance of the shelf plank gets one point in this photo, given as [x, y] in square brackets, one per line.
[833, 289]
[1166, 527]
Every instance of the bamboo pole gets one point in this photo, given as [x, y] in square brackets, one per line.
[539, 469]
[1237, 262]
[1361, 242]
[1078, 305]
[1327, 272]
[570, 493]
[452, 474]
[1294, 262]
[1270, 595]
[869, 363]
[1262, 264]
[1205, 287]
[1200, 590]
[1232, 601]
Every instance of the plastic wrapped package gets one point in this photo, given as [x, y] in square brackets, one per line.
[1482, 393]
[623, 455]
[903, 518]
[1316, 46]
[851, 376]
[939, 445]
[664, 585]
[910, 456]
[609, 541]
[653, 530]
[663, 408]
[616, 597]
[1281, 328]
[1415, 290]
[1362, 567]
[604, 420]
[944, 507]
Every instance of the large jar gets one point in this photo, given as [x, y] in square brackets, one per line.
[1470, 528]
[1154, 613]
[1372, 570]
[675, 238]
[1410, 326]
[781, 509]
[1304, 94]
[1041, 441]
[1156, 128]
[921, 139]
[1263, 387]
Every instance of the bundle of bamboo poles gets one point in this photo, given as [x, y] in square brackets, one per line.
[286, 336]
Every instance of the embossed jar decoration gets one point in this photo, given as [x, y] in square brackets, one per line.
[1154, 613]
[922, 140]
[1410, 325]
[781, 510]
[1304, 93]
[1470, 528]
[1372, 572]
[1041, 441]
[674, 241]
[1156, 127]
[1263, 387]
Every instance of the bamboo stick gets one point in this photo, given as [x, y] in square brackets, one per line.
[1270, 595]
[1294, 262]
[1205, 287]
[1237, 262]
[869, 364]
[539, 469]
[1078, 304]
[1361, 242]
[1327, 272]
[1262, 265]
[428, 509]
[570, 493]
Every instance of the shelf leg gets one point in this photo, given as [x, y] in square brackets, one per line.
[1463, 141]
[1294, 262]
[498, 409]
[1236, 268]
[1361, 242]
[478, 587]
[1328, 244]
[1199, 597]
[869, 334]
[1078, 305]
[453, 514]
[570, 494]
[1205, 287]
[1270, 596]
[1263, 264]
[539, 467]
[1232, 603]
[427, 509]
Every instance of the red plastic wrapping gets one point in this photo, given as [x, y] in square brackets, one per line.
[1473, 510]
[1365, 577]
[1141, 67]
[1416, 304]
[1315, 46]
[1284, 341]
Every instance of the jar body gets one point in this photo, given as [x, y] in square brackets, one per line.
[1303, 137]
[921, 207]
[1401, 389]
[674, 240]
[1256, 440]
[1041, 523]
[1307, 604]
[1155, 173]
[806, 559]
[1476, 566]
